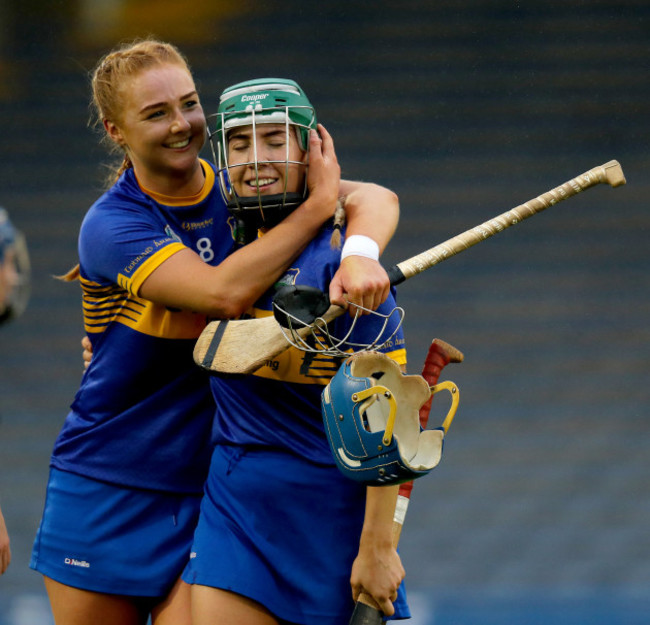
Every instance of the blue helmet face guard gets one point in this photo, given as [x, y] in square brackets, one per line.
[371, 416]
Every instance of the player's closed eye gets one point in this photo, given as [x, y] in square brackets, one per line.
[238, 147]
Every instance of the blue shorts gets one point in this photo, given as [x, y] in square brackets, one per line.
[282, 532]
[109, 539]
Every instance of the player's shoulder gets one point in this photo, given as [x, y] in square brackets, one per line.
[125, 193]
[322, 249]
[122, 199]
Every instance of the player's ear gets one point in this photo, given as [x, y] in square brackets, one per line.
[113, 131]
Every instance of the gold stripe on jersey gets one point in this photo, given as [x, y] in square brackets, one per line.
[299, 367]
[133, 283]
[117, 303]
[103, 306]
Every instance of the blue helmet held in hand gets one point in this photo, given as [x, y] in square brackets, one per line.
[371, 416]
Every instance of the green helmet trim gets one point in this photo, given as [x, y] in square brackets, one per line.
[271, 100]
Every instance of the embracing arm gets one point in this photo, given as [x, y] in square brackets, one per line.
[230, 288]
[372, 211]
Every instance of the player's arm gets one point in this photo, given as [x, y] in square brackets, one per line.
[372, 211]
[377, 569]
[5, 551]
[229, 289]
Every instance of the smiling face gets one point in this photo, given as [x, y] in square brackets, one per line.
[267, 162]
[162, 128]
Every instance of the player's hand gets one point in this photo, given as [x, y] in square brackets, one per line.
[324, 174]
[359, 280]
[378, 572]
[87, 354]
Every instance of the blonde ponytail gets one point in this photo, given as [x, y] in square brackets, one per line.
[339, 222]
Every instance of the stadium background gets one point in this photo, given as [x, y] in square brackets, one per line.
[539, 510]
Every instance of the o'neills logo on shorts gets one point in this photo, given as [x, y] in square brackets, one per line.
[75, 562]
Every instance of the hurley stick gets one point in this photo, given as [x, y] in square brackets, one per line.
[243, 346]
[610, 172]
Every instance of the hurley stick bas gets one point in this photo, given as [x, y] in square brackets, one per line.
[243, 346]
[440, 354]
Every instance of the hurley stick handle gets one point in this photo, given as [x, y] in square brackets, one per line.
[610, 172]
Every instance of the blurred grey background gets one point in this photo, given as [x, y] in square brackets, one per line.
[539, 511]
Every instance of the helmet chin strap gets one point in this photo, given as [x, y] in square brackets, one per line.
[251, 215]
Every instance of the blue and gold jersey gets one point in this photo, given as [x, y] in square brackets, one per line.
[143, 413]
[279, 405]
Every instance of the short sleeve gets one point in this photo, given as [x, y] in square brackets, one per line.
[123, 245]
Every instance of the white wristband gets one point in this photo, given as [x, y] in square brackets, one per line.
[360, 245]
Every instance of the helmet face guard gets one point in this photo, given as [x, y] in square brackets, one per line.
[253, 103]
[371, 417]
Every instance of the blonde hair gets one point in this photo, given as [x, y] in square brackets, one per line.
[338, 223]
[107, 80]
[114, 69]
